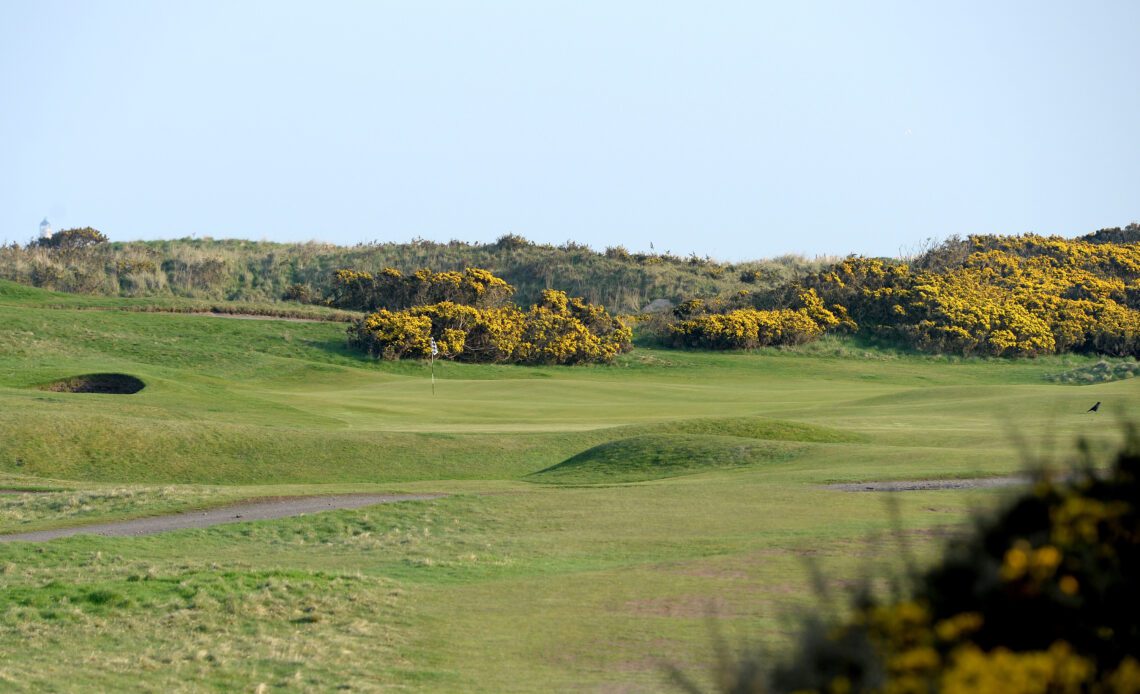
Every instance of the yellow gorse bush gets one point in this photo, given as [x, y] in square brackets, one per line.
[1056, 670]
[390, 289]
[1040, 599]
[749, 328]
[559, 330]
[1010, 296]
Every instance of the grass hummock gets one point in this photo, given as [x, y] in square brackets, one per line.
[657, 456]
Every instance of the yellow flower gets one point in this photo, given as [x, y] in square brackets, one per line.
[1069, 585]
[951, 629]
[1015, 562]
[923, 658]
[1002, 671]
[1126, 678]
[1044, 561]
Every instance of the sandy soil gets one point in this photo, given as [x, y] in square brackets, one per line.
[264, 509]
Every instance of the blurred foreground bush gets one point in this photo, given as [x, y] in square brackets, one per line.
[1041, 598]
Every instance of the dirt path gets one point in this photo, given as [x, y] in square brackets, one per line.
[258, 316]
[930, 485]
[267, 509]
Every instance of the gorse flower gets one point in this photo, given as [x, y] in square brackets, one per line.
[560, 330]
[1009, 296]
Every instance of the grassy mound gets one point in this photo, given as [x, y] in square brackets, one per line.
[108, 384]
[749, 428]
[656, 456]
[1103, 371]
[14, 291]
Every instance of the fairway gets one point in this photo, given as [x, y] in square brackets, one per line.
[595, 518]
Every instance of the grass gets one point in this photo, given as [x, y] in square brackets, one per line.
[595, 518]
[658, 456]
[1103, 371]
[39, 510]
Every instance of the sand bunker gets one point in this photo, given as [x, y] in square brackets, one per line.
[110, 384]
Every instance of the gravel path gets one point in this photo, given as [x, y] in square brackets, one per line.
[928, 485]
[266, 509]
[257, 316]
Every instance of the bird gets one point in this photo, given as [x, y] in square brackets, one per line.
[1095, 407]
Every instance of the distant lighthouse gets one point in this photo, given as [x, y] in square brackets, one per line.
[45, 229]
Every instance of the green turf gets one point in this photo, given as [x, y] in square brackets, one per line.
[596, 516]
[656, 456]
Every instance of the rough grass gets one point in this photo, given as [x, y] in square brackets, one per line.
[505, 585]
[14, 293]
[36, 510]
[1103, 371]
[216, 630]
[533, 589]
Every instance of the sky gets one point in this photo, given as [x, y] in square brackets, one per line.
[736, 130]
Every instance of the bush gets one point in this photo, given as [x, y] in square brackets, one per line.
[71, 239]
[298, 292]
[392, 290]
[749, 328]
[997, 296]
[1042, 598]
[560, 330]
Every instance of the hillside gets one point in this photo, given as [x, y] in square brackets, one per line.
[1008, 296]
[238, 270]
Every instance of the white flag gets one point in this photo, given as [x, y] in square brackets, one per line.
[434, 349]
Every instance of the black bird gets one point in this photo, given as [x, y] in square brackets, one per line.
[1095, 407]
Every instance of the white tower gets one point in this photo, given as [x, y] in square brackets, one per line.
[45, 229]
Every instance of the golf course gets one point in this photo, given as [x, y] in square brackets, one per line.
[567, 528]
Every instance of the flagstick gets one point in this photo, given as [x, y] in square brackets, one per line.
[434, 351]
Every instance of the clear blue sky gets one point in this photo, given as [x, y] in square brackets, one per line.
[731, 129]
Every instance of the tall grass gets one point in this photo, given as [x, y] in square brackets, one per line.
[235, 270]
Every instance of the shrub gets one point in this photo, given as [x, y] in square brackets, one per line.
[72, 239]
[392, 290]
[392, 335]
[560, 330]
[1041, 598]
[298, 292]
[749, 328]
[997, 296]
